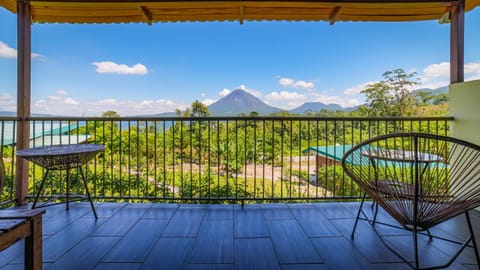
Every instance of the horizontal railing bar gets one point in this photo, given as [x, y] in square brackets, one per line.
[239, 118]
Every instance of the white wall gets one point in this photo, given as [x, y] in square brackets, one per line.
[464, 105]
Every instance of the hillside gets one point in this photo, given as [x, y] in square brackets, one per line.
[316, 107]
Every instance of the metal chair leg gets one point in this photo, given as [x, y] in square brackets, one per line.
[68, 189]
[88, 193]
[415, 248]
[40, 189]
[358, 215]
[475, 248]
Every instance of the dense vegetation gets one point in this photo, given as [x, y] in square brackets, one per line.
[195, 157]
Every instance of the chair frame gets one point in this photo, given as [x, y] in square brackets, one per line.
[416, 230]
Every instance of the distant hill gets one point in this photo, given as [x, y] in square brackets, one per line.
[240, 102]
[6, 113]
[435, 91]
[315, 107]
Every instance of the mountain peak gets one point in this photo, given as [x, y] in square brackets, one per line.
[238, 102]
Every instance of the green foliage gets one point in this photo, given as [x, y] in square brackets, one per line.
[392, 96]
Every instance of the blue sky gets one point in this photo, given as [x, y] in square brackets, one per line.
[136, 69]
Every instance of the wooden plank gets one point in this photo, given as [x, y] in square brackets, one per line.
[137, 243]
[107, 210]
[255, 253]
[14, 251]
[309, 266]
[334, 210]
[55, 224]
[185, 222]
[59, 243]
[121, 222]
[161, 211]
[210, 267]
[250, 222]
[428, 253]
[86, 254]
[214, 243]
[366, 241]
[291, 243]
[276, 211]
[218, 212]
[169, 253]
[20, 214]
[118, 266]
[313, 222]
[335, 250]
[19, 230]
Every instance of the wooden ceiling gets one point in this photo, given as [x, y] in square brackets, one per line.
[128, 11]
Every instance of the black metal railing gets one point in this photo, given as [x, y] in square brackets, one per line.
[204, 159]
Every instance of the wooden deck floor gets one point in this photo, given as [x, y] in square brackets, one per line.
[259, 236]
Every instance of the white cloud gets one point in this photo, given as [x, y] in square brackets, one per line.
[6, 51]
[474, 70]
[67, 105]
[286, 81]
[437, 75]
[208, 101]
[284, 95]
[9, 52]
[437, 70]
[61, 92]
[70, 101]
[300, 84]
[285, 99]
[342, 101]
[355, 90]
[111, 67]
[304, 85]
[8, 102]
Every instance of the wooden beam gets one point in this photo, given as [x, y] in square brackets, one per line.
[24, 59]
[335, 13]
[457, 47]
[146, 14]
[242, 13]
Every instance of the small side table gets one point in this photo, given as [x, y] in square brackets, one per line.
[62, 157]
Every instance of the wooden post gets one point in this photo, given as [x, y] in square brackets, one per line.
[457, 27]
[23, 97]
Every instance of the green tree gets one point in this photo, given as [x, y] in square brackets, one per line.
[424, 97]
[199, 109]
[110, 114]
[392, 96]
[440, 99]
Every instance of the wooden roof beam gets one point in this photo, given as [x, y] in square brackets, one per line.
[335, 13]
[146, 14]
[242, 13]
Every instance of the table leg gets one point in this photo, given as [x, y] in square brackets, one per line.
[40, 189]
[68, 189]
[84, 178]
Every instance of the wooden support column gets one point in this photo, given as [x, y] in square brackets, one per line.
[457, 47]
[24, 26]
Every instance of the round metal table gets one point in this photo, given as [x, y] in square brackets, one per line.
[62, 157]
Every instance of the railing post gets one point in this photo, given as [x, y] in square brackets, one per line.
[23, 97]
